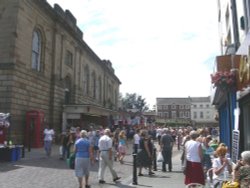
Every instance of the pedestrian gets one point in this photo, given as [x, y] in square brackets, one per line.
[194, 171]
[158, 134]
[78, 133]
[65, 137]
[106, 154]
[166, 145]
[83, 155]
[122, 147]
[242, 170]
[48, 139]
[116, 143]
[144, 156]
[221, 164]
[136, 140]
[208, 153]
[96, 148]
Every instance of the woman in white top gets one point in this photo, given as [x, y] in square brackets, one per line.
[221, 165]
[194, 171]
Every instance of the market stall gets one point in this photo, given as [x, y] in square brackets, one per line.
[8, 151]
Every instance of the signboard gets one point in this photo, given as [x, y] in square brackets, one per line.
[235, 145]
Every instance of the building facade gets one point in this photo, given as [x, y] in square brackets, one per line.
[232, 99]
[203, 112]
[45, 65]
[193, 111]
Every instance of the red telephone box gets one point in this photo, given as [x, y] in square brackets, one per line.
[34, 129]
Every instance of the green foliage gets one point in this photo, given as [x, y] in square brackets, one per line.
[134, 101]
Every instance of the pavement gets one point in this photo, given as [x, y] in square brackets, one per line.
[38, 171]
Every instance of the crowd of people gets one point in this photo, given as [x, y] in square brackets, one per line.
[203, 157]
[205, 160]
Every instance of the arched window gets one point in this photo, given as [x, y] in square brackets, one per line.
[36, 50]
[86, 81]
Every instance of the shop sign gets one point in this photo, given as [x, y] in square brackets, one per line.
[244, 72]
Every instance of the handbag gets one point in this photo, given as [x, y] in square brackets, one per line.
[159, 157]
[230, 184]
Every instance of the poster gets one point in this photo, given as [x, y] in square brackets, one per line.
[235, 145]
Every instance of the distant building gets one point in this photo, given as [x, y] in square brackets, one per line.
[194, 111]
[203, 112]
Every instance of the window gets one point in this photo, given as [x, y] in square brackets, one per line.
[182, 114]
[187, 106]
[166, 114]
[181, 107]
[67, 88]
[86, 81]
[36, 51]
[195, 115]
[69, 58]
[173, 113]
[195, 106]
[99, 89]
[201, 105]
[201, 115]
[93, 85]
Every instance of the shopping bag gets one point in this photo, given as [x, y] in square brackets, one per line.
[230, 184]
[159, 157]
[71, 161]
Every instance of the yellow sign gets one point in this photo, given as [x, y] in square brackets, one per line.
[244, 71]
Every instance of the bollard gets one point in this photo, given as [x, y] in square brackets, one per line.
[23, 151]
[134, 169]
[154, 162]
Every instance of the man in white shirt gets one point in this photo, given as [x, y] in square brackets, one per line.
[48, 138]
[105, 148]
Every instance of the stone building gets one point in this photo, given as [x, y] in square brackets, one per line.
[46, 66]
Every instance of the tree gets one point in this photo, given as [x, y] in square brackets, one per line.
[134, 101]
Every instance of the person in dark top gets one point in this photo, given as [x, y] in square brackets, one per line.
[166, 144]
[144, 156]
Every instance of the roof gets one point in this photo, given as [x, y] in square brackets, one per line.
[167, 101]
[200, 99]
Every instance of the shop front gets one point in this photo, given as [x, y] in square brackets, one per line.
[86, 115]
[244, 103]
[224, 90]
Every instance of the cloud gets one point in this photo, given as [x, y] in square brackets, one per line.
[158, 48]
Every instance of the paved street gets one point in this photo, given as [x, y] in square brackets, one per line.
[37, 171]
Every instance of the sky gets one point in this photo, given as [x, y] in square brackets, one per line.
[158, 48]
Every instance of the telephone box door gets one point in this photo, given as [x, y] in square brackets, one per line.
[34, 129]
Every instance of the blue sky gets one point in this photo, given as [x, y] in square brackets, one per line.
[158, 48]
